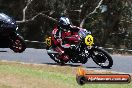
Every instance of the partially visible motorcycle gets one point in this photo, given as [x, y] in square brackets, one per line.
[9, 36]
[83, 49]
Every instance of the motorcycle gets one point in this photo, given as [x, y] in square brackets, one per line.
[9, 36]
[83, 50]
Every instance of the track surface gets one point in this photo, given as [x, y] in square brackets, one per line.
[30, 55]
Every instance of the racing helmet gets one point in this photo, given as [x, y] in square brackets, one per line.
[64, 22]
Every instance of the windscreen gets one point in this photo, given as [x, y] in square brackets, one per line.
[83, 33]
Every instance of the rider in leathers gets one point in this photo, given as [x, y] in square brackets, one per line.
[65, 32]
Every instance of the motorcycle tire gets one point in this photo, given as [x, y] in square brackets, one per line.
[17, 44]
[101, 57]
[53, 57]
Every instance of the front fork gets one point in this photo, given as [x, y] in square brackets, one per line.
[90, 49]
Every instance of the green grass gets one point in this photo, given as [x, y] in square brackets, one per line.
[5, 86]
[56, 77]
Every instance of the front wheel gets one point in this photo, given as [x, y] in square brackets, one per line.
[17, 44]
[101, 58]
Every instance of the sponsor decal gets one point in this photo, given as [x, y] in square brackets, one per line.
[82, 78]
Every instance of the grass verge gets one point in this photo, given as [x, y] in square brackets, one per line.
[18, 75]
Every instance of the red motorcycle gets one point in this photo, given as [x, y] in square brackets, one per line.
[83, 48]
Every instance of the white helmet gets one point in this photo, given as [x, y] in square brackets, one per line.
[64, 22]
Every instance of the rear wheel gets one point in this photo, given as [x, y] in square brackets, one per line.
[55, 57]
[102, 58]
[17, 44]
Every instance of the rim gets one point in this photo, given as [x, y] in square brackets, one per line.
[104, 63]
[56, 59]
[17, 45]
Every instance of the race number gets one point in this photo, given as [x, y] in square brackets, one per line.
[89, 40]
[48, 41]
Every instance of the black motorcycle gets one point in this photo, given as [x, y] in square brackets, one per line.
[9, 36]
[81, 52]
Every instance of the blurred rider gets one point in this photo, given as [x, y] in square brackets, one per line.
[65, 32]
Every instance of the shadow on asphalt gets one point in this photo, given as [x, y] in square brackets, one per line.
[3, 51]
[71, 65]
[93, 67]
[97, 68]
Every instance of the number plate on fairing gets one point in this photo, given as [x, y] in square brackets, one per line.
[48, 41]
[89, 40]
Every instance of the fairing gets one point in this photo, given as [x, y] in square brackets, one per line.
[7, 22]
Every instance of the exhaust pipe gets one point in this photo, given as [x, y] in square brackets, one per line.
[52, 52]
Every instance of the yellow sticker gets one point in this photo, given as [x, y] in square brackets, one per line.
[48, 41]
[89, 40]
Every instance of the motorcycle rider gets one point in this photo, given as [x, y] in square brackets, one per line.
[64, 37]
[65, 32]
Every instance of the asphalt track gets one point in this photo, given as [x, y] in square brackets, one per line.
[39, 56]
